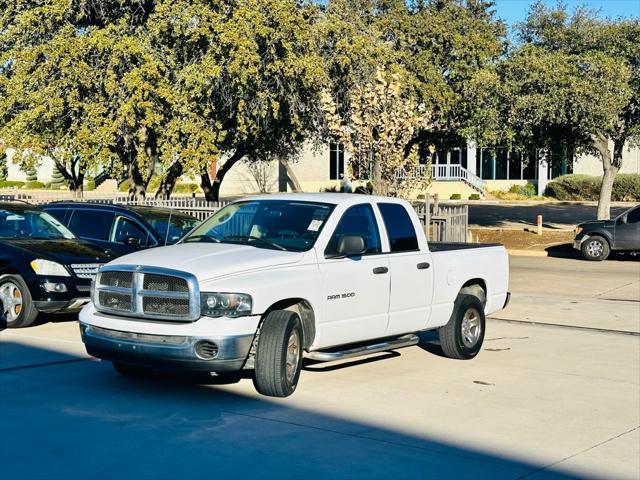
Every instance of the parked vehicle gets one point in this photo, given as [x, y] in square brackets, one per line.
[124, 229]
[597, 239]
[266, 279]
[43, 266]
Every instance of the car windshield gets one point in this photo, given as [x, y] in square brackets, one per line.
[275, 224]
[170, 226]
[23, 223]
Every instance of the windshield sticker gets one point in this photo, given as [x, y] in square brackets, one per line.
[315, 225]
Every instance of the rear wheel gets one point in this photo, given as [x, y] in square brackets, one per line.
[463, 336]
[16, 298]
[595, 249]
[279, 354]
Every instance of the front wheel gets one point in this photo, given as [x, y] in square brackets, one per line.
[279, 354]
[16, 298]
[463, 336]
[595, 249]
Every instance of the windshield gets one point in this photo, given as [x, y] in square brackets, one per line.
[277, 224]
[178, 225]
[31, 224]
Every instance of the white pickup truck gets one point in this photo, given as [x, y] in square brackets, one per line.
[271, 279]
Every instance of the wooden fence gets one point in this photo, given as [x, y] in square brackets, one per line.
[442, 222]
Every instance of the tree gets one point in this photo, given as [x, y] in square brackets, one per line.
[613, 45]
[245, 80]
[444, 45]
[57, 179]
[383, 118]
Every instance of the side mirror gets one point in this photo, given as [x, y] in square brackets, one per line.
[132, 242]
[351, 245]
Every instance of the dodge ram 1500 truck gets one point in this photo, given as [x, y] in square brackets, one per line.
[271, 279]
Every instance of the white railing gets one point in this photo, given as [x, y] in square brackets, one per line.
[446, 173]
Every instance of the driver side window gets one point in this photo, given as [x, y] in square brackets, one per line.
[633, 216]
[357, 220]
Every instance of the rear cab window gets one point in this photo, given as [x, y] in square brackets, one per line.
[400, 231]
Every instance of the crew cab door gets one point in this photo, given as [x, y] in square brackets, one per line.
[627, 231]
[411, 272]
[355, 289]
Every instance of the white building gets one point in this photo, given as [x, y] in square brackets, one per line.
[463, 170]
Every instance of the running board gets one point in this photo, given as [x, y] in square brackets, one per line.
[404, 341]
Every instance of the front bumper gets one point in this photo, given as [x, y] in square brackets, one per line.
[75, 296]
[166, 351]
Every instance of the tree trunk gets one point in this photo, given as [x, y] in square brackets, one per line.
[169, 182]
[292, 179]
[212, 189]
[611, 164]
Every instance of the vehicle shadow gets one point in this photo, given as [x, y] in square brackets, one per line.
[93, 423]
[566, 250]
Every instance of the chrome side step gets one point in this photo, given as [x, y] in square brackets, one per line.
[404, 341]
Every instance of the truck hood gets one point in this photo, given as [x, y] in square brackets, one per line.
[207, 261]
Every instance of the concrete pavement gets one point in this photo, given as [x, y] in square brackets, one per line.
[603, 295]
[538, 402]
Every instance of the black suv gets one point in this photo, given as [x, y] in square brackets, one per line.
[43, 266]
[122, 229]
[598, 238]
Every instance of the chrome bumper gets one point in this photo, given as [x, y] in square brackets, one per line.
[167, 351]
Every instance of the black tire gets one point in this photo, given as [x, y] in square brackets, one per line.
[455, 338]
[595, 248]
[24, 314]
[272, 377]
[129, 370]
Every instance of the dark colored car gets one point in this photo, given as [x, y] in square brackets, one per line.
[122, 229]
[43, 266]
[599, 238]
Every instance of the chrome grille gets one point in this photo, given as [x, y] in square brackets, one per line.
[116, 279]
[165, 283]
[85, 270]
[119, 302]
[147, 292]
[165, 306]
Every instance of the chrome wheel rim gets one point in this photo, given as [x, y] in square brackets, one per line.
[471, 328]
[12, 299]
[293, 355]
[595, 248]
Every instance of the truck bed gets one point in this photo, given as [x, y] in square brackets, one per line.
[449, 246]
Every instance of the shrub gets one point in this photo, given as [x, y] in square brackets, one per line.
[527, 190]
[32, 175]
[89, 184]
[57, 180]
[626, 187]
[474, 196]
[34, 185]
[11, 184]
[455, 196]
[186, 188]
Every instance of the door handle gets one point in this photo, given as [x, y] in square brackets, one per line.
[379, 270]
[423, 266]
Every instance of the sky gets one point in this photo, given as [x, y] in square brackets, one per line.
[513, 11]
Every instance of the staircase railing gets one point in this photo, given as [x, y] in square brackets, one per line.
[447, 173]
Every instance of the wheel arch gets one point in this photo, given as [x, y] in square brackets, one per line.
[602, 234]
[307, 316]
[477, 287]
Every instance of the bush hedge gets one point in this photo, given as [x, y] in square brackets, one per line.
[527, 190]
[11, 184]
[626, 187]
[455, 196]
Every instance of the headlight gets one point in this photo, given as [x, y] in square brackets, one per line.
[47, 267]
[225, 304]
[577, 230]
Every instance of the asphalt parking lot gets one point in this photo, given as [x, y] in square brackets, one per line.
[555, 393]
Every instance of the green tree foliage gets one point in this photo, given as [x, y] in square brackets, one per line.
[592, 75]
